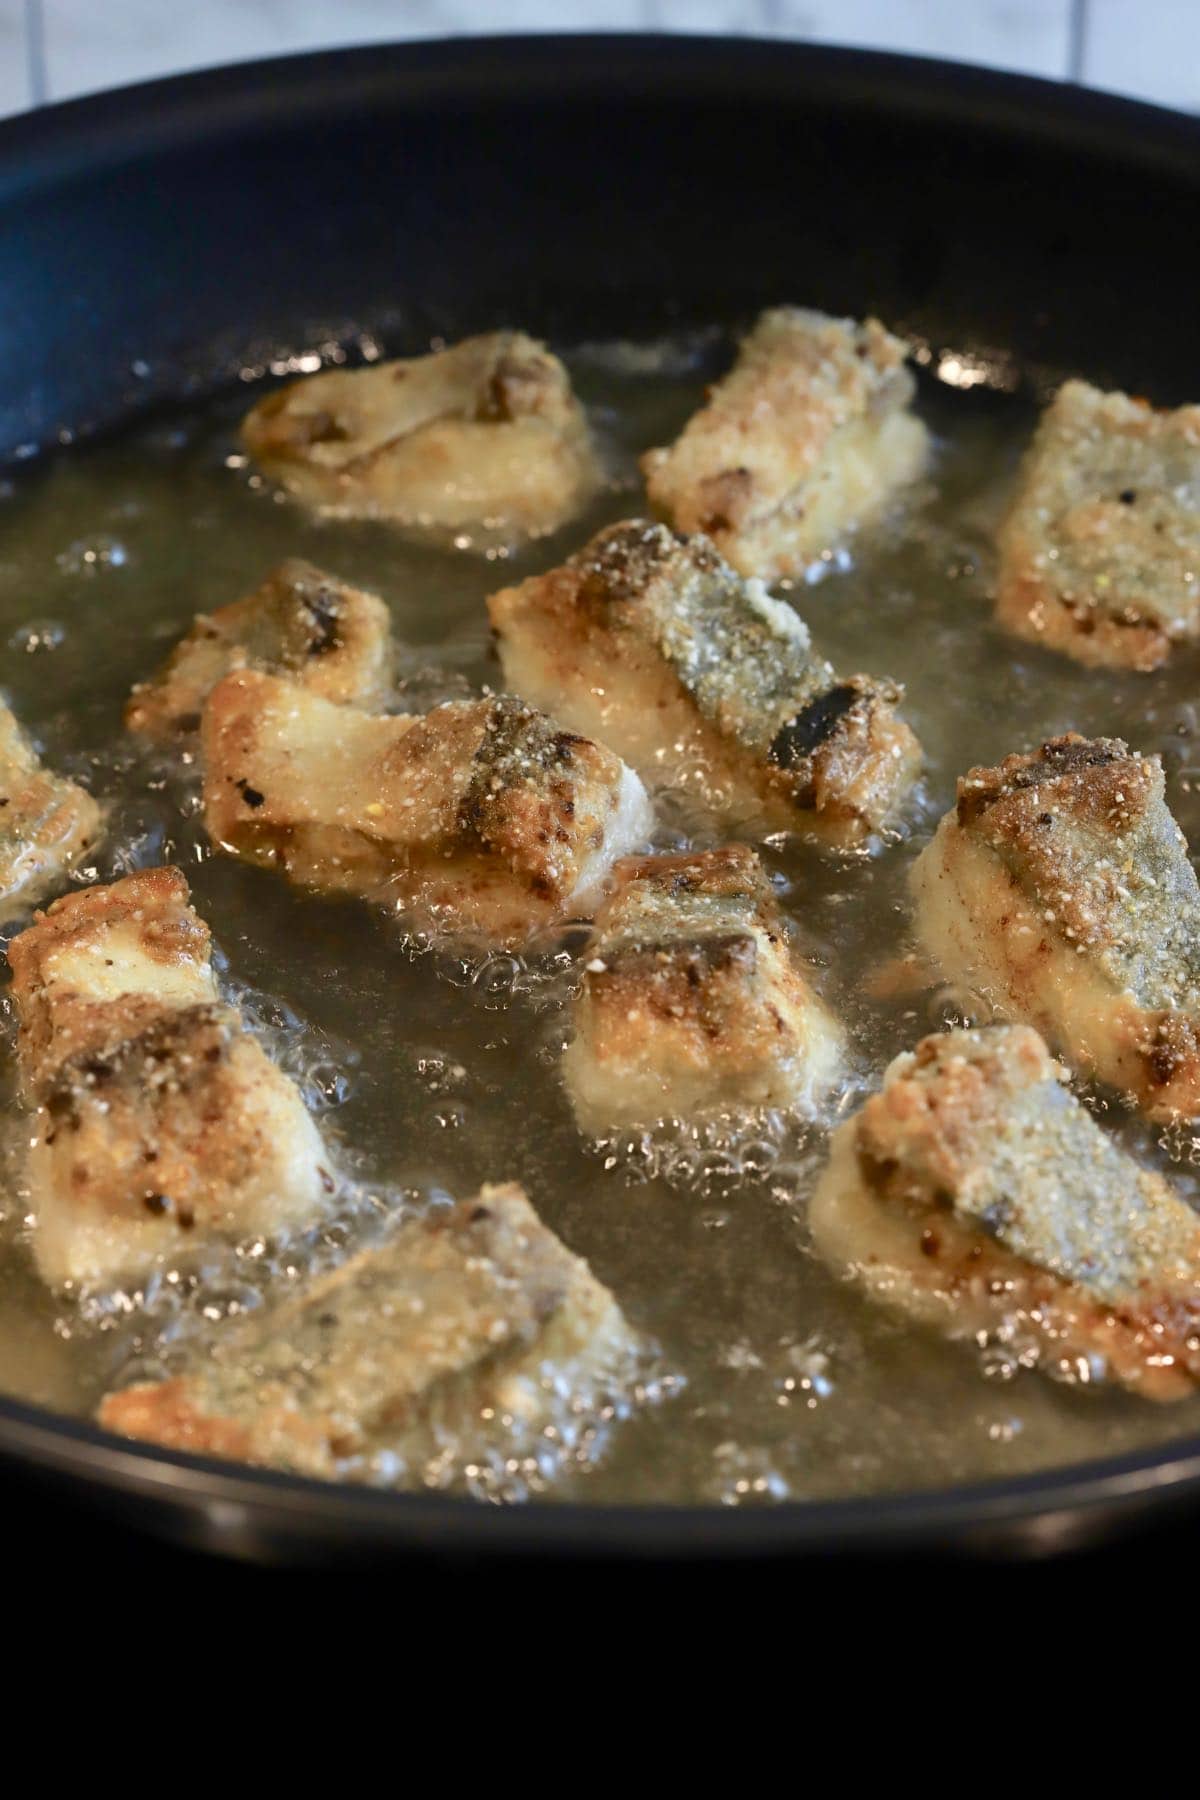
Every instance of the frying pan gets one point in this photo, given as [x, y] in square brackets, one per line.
[159, 240]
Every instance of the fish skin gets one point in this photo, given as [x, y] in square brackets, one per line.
[464, 1308]
[653, 643]
[975, 1192]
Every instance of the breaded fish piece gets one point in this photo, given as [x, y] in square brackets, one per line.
[332, 638]
[652, 644]
[482, 817]
[691, 1002]
[487, 433]
[476, 1307]
[809, 436]
[101, 964]
[1061, 886]
[47, 823]
[976, 1194]
[1100, 553]
[159, 1120]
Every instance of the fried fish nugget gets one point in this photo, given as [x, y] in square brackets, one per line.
[651, 643]
[977, 1195]
[1061, 886]
[476, 1307]
[487, 434]
[159, 1121]
[482, 818]
[330, 637]
[808, 437]
[1100, 553]
[691, 1002]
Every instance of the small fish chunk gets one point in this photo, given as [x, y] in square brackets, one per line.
[47, 824]
[1060, 887]
[475, 1308]
[691, 1002]
[332, 638]
[977, 1195]
[807, 438]
[160, 1122]
[485, 434]
[101, 964]
[1100, 553]
[482, 818]
[652, 644]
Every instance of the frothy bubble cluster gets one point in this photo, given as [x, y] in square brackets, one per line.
[716, 1156]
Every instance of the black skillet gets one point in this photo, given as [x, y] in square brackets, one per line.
[155, 240]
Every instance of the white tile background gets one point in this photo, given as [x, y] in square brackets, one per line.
[53, 49]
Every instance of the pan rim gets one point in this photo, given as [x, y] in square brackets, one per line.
[1037, 1513]
[541, 64]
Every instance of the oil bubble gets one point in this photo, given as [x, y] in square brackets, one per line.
[38, 636]
[92, 556]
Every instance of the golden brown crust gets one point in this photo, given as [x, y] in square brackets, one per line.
[332, 638]
[485, 434]
[1052, 809]
[61, 1017]
[730, 872]
[167, 1413]
[926, 1130]
[1028, 605]
[158, 899]
[697, 977]
[47, 824]
[1100, 553]
[1062, 885]
[807, 436]
[690, 998]
[174, 1121]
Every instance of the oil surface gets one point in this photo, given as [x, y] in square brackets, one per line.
[770, 1378]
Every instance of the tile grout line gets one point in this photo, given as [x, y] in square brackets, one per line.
[769, 18]
[35, 53]
[1077, 31]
